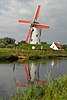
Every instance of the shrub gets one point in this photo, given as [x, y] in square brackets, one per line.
[10, 46]
[2, 45]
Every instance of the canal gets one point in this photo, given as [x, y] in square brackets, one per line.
[13, 73]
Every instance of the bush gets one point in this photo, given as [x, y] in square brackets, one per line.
[10, 46]
[64, 47]
[2, 45]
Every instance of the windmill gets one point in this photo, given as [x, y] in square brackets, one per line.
[34, 32]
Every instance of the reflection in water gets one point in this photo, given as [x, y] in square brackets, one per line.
[13, 67]
[54, 62]
[22, 74]
[32, 74]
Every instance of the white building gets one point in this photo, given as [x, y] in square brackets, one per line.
[35, 36]
[56, 46]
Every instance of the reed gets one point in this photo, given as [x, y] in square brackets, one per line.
[55, 90]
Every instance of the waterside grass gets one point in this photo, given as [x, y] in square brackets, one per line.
[25, 52]
[55, 90]
[8, 54]
[38, 52]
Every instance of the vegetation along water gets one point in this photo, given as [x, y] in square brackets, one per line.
[56, 89]
[9, 51]
[20, 75]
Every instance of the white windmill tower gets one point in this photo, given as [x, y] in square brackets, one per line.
[34, 33]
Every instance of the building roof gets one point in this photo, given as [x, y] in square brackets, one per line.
[58, 45]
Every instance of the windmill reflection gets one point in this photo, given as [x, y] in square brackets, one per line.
[54, 62]
[34, 72]
[32, 75]
[13, 67]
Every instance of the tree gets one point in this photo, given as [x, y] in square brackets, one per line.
[10, 46]
[43, 42]
[21, 42]
[64, 47]
[2, 45]
[7, 40]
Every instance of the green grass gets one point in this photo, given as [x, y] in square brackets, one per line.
[46, 52]
[5, 54]
[55, 90]
[26, 52]
[29, 46]
[33, 54]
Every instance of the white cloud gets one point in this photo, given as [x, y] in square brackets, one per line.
[53, 12]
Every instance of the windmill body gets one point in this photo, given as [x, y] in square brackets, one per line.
[34, 33]
[35, 36]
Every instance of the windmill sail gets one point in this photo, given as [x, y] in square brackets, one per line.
[24, 21]
[41, 26]
[33, 37]
[28, 36]
[37, 13]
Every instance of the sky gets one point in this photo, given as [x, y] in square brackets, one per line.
[52, 12]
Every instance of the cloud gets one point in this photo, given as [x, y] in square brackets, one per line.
[52, 12]
[3, 6]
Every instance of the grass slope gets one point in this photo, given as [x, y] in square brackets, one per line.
[25, 52]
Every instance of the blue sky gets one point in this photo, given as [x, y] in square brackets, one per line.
[52, 12]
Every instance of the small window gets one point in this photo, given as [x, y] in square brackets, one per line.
[31, 39]
[40, 33]
[53, 46]
[37, 43]
[32, 30]
[37, 35]
[39, 40]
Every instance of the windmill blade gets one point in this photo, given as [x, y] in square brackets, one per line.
[28, 36]
[24, 21]
[37, 13]
[27, 71]
[42, 26]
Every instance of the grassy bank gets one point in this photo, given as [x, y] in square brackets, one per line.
[55, 90]
[25, 52]
[7, 54]
[37, 53]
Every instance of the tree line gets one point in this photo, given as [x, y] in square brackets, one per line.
[7, 42]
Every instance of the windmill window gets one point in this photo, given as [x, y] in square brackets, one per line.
[37, 35]
[31, 39]
[32, 30]
[40, 33]
[39, 40]
[37, 43]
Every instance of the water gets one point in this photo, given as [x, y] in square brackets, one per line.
[12, 73]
